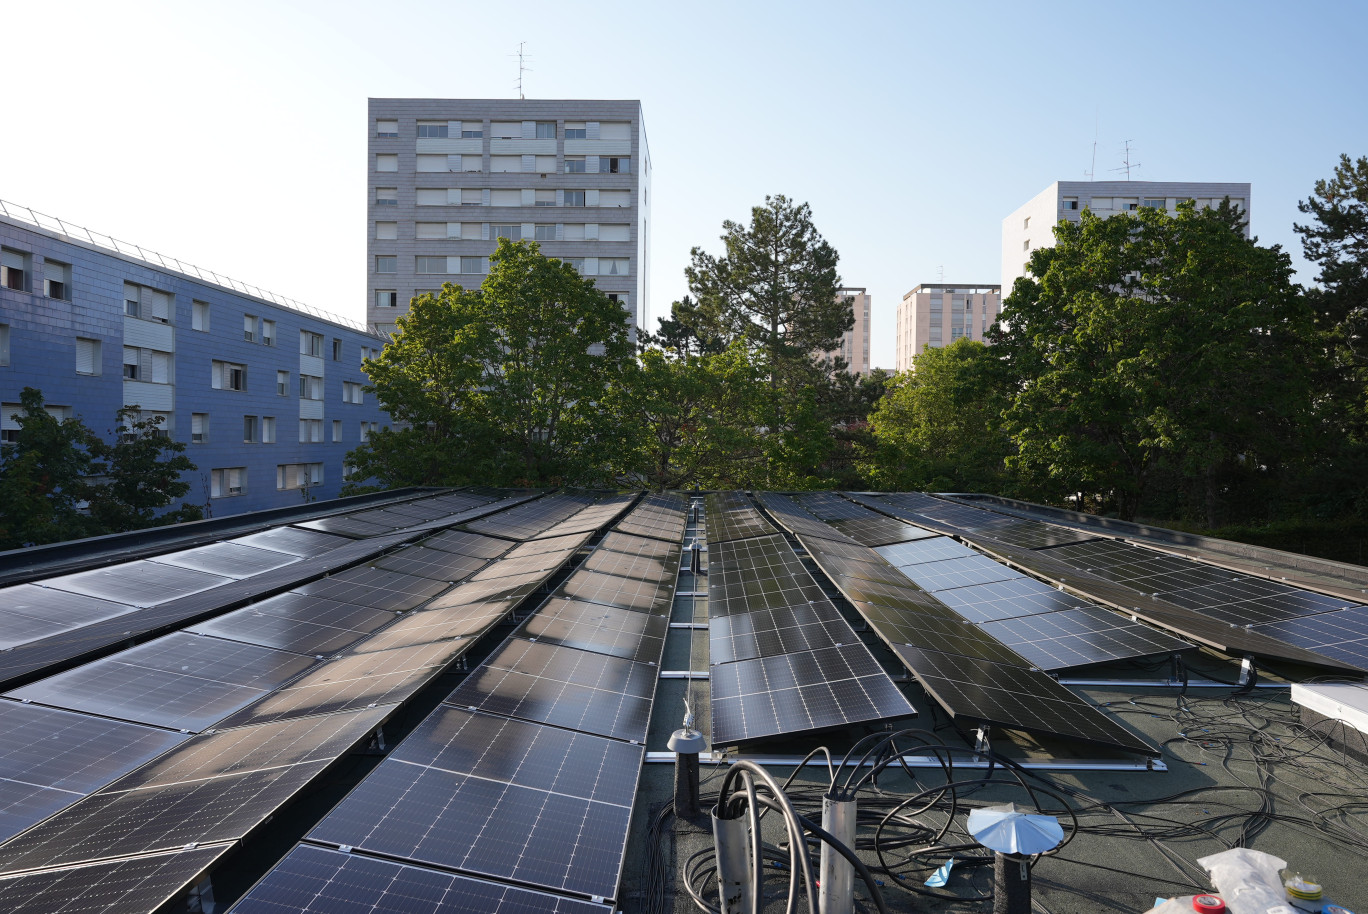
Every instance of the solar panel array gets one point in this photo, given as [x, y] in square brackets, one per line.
[527, 772]
[731, 516]
[91, 817]
[782, 658]
[961, 665]
[1229, 610]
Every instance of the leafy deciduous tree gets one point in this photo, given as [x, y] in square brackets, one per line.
[139, 476]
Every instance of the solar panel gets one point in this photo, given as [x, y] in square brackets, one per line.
[232, 560]
[731, 516]
[828, 506]
[758, 573]
[1021, 596]
[1342, 635]
[375, 587]
[1017, 698]
[835, 686]
[877, 530]
[29, 612]
[541, 561]
[109, 887]
[631, 544]
[472, 544]
[433, 626]
[137, 583]
[346, 525]
[579, 690]
[178, 681]
[292, 541]
[528, 520]
[514, 587]
[1074, 637]
[628, 593]
[49, 759]
[434, 564]
[318, 880]
[126, 818]
[596, 627]
[299, 623]
[660, 517]
[353, 681]
[797, 520]
[962, 572]
[931, 549]
[786, 630]
[642, 567]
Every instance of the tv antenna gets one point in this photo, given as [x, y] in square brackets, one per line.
[940, 275]
[1097, 129]
[1126, 163]
[522, 68]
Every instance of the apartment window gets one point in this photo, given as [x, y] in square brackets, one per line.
[310, 431]
[505, 130]
[386, 163]
[1026, 223]
[542, 232]
[368, 353]
[249, 430]
[147, 303]
[199, 316]
[249, 327]
[352, 393]
[544, 164]
[612, 266]
[615, 165]
[268, 333]
[199, 428]
[228, 376]
[87, 356]
[473, 133]
[432, 130]
[1026, 245]
[472, 197]
[472, 163]
[387, 196]
[311, 343]
[14, 269]
[429, 265]
[574, 198]
[505, 164]
[575, 131]
[298, 475]
[58, 280]
[337, 430]
[434, 163]
[150, 365]
[544, 198]
[511, 232]
[546, 130]
[573, 231]
[474, 264]
[337, 349]
[505, 198]
[435, 231]
[1070, 203]
[226, 482]
[574, 165]
[310, 387]
[268, 430]
[4, 344]
[387, 129]
[615, 198]
[386, 263]
[386, 231]
[576, 262]
[368, 429]
[431, 196]
[1153, 203]
[386, 298]
[615, 233]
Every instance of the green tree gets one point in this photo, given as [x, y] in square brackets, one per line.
[1337, 240]
[1155, 340]
[502, 384]
[139, 475]
[939, 426]
[684, 331]
[43, 477]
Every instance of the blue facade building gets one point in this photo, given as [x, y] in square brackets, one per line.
[266, 393]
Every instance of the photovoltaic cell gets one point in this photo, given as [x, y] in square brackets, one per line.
[877, 530]
[180, 681]
[1074, 637]
[767, 632]
[645, 547]
[461, 622]
[731, 516]
[660, 517]
[140, 583]
[164, 815]
[299, 623]
[1341, 635]
[931, 549]
[292, 541]
[832, 687]
[375, 587]
[49, 759]
[628, 593]
[947, 573]
[1009, 599]
[658, 571]
[347, 525]
[434, 564]
[29, 612]
[596, 627]
[232, 560]
[110, 887]
[472, 544]
[579, 690]
[318, 880]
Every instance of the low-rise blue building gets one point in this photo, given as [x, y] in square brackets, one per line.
[266, 393]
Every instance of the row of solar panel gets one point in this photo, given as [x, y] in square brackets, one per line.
[528, 770]
[782, 658]
[1228, 609]
[970, 673]
[220, 785]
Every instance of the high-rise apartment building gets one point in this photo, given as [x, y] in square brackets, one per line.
[446, 178]
[937, 314]
[1032, 226]
[854, 345]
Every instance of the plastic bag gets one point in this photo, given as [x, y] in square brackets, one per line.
[1247, 881]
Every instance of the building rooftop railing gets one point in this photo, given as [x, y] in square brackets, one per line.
[83, 235]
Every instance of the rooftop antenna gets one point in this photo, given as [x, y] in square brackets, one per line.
[1126, 163]
[940, 274]
[522, 68]
[1097, 128]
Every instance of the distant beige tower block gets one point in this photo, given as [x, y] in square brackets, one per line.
[1032, 226]
[854, 345]
[937, 314]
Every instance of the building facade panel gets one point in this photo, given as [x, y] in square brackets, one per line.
[231, 395]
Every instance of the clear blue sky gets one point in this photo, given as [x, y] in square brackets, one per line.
[232, 135]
